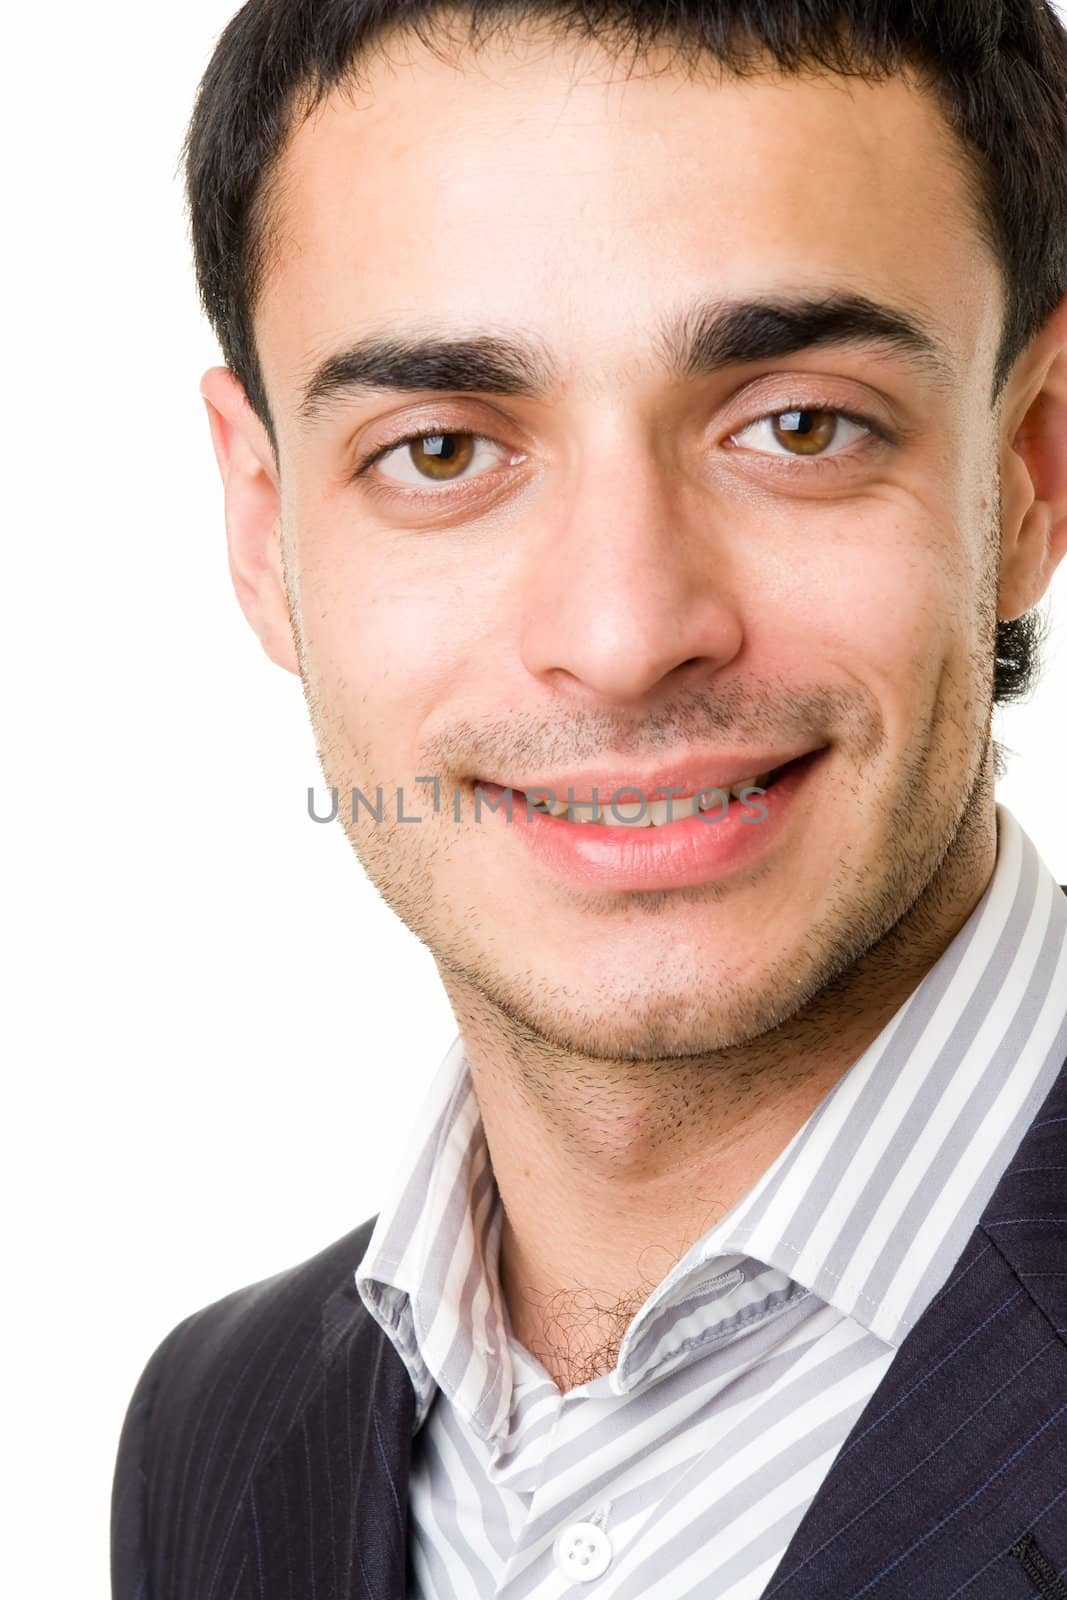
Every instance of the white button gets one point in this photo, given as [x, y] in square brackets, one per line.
[583, 1551]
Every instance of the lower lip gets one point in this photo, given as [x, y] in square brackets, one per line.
[678, 855]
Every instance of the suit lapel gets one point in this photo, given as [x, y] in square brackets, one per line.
[326, 1514]
[961, 1452]
[959, 1455]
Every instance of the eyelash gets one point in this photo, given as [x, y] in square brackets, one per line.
[429, 429]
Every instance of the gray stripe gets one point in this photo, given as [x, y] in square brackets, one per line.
[733, 1392]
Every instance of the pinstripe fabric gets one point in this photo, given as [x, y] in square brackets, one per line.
[740, 1377]
[270, 1450]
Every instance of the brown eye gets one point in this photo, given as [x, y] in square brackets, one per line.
[417, 459]
[805, 433]
[442, 455]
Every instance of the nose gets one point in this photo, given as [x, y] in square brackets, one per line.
[631, 587]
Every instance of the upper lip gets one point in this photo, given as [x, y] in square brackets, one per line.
[686, 777]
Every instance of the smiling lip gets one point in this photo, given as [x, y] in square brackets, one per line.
[684, 780]
[683, 853]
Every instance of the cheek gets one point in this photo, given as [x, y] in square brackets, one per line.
[888, 599]
[386, 646]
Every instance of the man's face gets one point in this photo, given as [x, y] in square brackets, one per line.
[639, 570]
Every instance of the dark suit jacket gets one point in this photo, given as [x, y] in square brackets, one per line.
[266, 1451]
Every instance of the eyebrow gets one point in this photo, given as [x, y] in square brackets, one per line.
[698, 342]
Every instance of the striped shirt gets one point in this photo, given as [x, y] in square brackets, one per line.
[685, 1470]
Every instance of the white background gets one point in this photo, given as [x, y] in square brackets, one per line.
[217, 1030]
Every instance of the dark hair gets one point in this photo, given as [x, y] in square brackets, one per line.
[998, 69]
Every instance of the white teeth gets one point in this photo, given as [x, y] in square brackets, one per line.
[628, 814]
[585, 811]
[750, 783]
[672, 810]
[654, 813]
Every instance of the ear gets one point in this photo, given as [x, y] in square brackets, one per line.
[1034, 472]
[253, 512]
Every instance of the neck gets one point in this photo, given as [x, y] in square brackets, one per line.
[610, 1170]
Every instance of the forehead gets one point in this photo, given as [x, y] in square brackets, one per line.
[543, 186]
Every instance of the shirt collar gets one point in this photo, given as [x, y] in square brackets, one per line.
[858, 1207]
